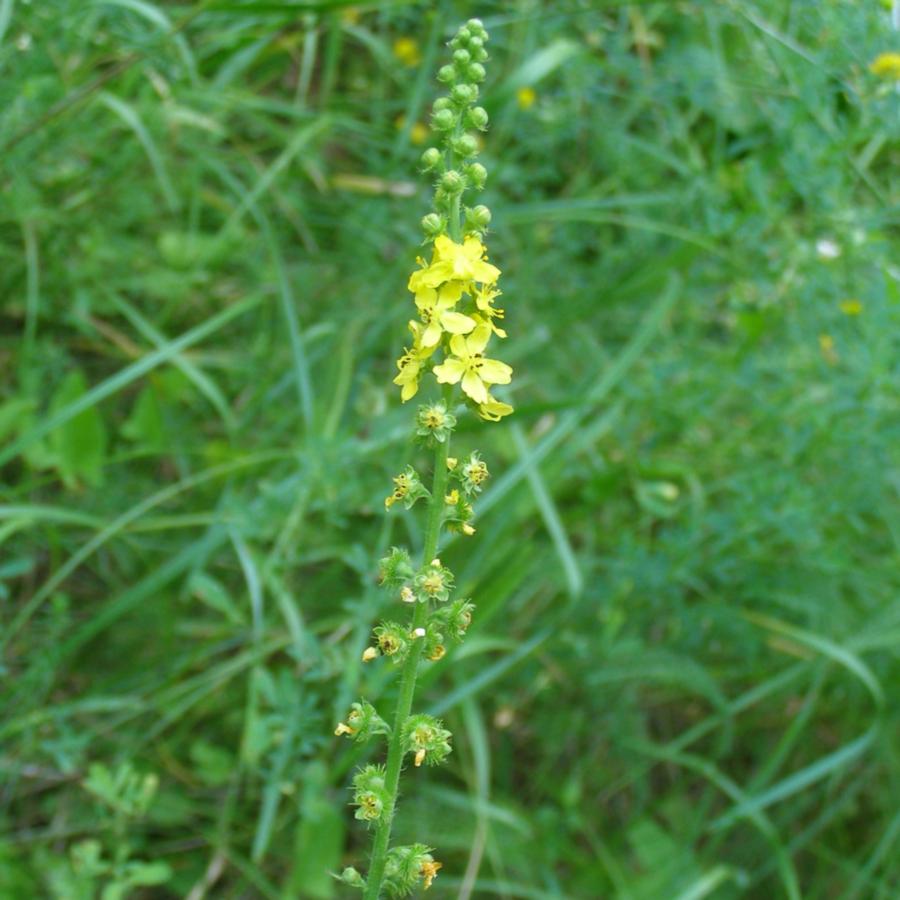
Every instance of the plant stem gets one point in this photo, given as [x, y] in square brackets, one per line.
[408, 677]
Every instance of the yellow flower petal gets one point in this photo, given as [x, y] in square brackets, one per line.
[456, 323]
[493, 371]
[450, 371]
[474, 387]
[458, 346]
[476, 341]
[494, 410]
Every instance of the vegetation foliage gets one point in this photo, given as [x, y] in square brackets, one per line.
[682, 681]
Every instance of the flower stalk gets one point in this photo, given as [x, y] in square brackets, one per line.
[454, 295]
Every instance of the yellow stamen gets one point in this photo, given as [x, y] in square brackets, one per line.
[420, 757]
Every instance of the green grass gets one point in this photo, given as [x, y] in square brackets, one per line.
[682, 681]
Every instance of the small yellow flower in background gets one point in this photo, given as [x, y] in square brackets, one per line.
[851, 307]
[468, 364]
[886, 65]
[418, 133]
[407, 51]
[525, 97]
[429, 872]
[826, 345]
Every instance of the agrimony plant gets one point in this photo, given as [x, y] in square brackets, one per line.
[455, 323]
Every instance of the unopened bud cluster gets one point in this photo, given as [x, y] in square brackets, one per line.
[456, 119]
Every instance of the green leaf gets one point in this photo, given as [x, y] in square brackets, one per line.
[79, 444]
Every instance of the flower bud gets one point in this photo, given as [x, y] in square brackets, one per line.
[461, 57]
[432, 225]
[476, 27]
[476, 174]
[475, 72]
[432, 156]
[462, 36]
[442, 103]
[447, 74]
[443, 119]
[479, 54]
[479, 217]
[452, 182]
[352, 878]
[465, 145]
[463, 93]
[475, 43]
[477, 117]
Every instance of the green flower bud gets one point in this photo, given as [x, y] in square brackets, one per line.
[431, 157]
[475, 43]
[395, 569]
[476, 27]
[432, 225]
[444, 119]
[456, 618]
[462, 36]
[476, 175]
[479, 54]
[465, 145]
[442, 103]
[452, 182]
[477, 117]
[478, 218]
[461, 57]
[475, 72]
[352, 878]
[446, 74]
[462, 94]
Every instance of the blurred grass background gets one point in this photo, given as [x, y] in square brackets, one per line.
[683, 678]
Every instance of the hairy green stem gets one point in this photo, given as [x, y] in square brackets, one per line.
[408, 677]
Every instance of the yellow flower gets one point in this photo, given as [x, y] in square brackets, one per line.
[458, 262]
[436, 310]
[826, 345]
[851, 307]
[419, 133]
[494, 410]
[468, 364]
[343, 729]
[886, 65]
[525, 97]
[407, 51]
[429, 871]
[483, 298]
[412, 364]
